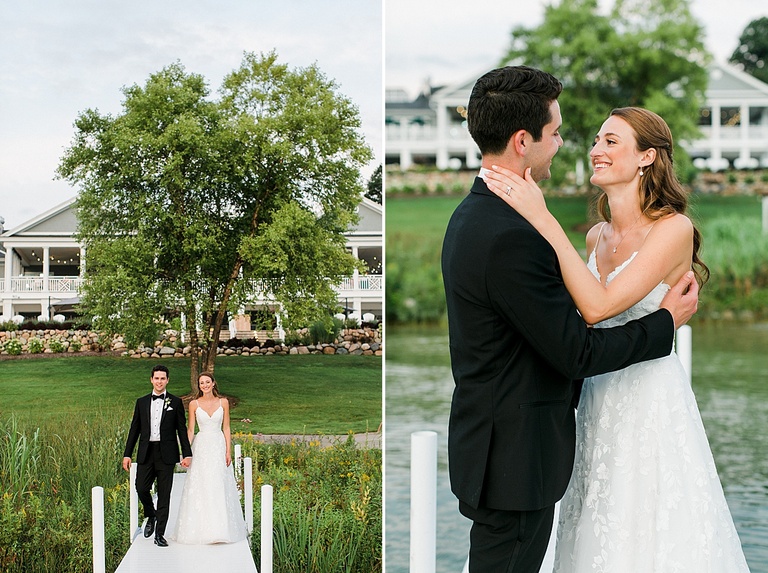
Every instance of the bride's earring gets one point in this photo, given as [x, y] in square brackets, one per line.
[641, 171]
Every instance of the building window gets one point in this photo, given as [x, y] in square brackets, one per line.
[730, 116]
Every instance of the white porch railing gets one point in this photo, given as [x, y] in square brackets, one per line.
[71, 285]
[66, 285]
[362, 282]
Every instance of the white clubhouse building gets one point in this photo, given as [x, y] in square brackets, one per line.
[432, 130]
[42, 266]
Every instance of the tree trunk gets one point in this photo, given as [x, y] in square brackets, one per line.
[194, 367]
[209, 354]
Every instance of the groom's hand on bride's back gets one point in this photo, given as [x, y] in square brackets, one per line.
[682, 300]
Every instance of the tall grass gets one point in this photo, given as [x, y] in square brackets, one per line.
[19, 458]
[47, 473]
[328, 515]
[736, 252]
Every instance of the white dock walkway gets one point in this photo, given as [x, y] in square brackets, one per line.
[144, 555]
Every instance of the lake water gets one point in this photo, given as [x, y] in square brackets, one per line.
[730, 379]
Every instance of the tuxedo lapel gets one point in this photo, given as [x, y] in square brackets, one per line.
[147, 407]
[167, 401]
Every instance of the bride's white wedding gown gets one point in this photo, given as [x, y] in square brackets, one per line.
[644, 495]
[210, 511]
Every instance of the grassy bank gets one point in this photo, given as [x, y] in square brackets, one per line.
[733, 248]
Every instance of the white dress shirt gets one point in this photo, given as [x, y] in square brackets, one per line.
[156, 414]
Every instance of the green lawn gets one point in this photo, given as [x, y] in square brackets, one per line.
[280, 394]
[427, 216]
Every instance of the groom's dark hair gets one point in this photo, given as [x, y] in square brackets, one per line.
[160, 368]
[507, 100]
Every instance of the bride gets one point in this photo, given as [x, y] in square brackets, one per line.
[644, 494]
[209, 511]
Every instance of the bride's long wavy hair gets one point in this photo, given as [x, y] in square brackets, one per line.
[214, 390]
[662, 192]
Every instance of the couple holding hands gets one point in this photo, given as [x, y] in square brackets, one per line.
[209, 511]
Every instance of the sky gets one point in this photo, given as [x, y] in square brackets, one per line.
[58, 59]
[449, 41]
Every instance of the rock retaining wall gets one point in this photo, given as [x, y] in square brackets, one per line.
[363, 341]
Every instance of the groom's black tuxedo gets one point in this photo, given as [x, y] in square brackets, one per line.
[156, 460]
[519, 350]
[173, 423]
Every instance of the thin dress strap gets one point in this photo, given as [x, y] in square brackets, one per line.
[599, 234]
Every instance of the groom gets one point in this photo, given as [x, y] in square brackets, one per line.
[158, 419]
[519, 348]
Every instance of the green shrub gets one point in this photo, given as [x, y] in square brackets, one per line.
[351, 322]
[251, 342]
[76, 345]
[297, 339]
[56, 345]
[9, 326]
[322, 332]
[35, 345]
[13, 346]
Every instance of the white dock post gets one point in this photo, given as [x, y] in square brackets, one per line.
[423, 502]
[133, 521]
[97, 523]
[684, 349]
[248, 493]
[238, 455]
[266, 529]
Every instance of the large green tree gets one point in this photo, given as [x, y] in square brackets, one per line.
[752, 52]
[188, 203]
[644, 53]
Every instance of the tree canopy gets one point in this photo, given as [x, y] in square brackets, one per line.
[643, 53]
[752, 52]
[188, 203]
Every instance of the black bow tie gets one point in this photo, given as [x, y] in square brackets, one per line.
[156, 397]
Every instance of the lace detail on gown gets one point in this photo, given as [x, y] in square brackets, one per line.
[209, 511]
[644, 494]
